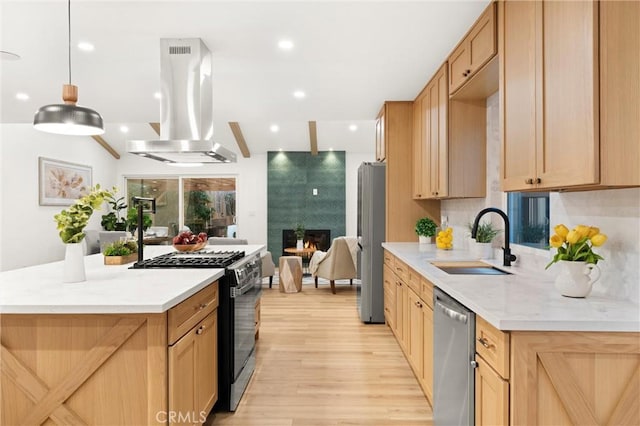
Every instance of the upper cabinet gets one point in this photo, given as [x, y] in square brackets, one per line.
[474, 51]
[557, 95]
[449, 143]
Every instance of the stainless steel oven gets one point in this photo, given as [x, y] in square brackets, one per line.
[239, 290]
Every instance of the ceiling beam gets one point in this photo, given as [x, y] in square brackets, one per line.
[106, 146]
[156, 127]
[237, 133]
[313, 138]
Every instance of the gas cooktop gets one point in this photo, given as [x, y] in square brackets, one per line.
[199, 259]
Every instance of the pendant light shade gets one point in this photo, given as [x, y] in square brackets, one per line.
[68, 118]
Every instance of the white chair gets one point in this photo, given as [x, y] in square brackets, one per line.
[268, 267]
[338, 263]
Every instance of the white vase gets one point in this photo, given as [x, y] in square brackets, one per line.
[425, 240]
[574, 278]
[299, 245]
[483, 250]
[73, 263]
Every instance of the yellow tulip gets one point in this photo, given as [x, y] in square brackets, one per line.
[582, 230]
[598, 240]
[556, 241]
[593, 230]
[573, 236]
[561, 231]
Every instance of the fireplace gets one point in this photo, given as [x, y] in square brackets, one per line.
[318, 238]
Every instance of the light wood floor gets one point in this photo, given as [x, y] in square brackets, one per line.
[317, 364]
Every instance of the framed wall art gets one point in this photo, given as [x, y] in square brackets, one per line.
[60, 182]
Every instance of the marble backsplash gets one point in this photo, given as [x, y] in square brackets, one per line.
[615, 211]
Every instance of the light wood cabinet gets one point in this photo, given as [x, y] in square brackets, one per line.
[554, 97]
[416, 333]
[193, 371]
[110, 368]
[438, 135]
[421, 185]
[474, 51]
[389, 285]
[492, 396]
[427, 352]
[402, 211]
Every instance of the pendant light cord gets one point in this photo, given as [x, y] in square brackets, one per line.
[69, 32]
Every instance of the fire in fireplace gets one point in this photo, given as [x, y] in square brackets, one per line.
[320, 239]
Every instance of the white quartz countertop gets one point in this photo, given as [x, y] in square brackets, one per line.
[521, 301]
[108, 289]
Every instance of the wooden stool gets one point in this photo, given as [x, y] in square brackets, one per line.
[290, 274]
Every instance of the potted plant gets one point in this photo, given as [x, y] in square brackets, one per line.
[298, 230]
[71, 223]
[576, 258]
[132, 220]
[120, 253]
[484, 236]
[113, 221]
[426, 230]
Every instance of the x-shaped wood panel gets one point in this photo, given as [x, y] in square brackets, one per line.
[50, 402]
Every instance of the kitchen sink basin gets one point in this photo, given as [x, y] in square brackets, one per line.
[469, 268]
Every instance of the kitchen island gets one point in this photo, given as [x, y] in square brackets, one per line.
[540, 358]
[126, 346]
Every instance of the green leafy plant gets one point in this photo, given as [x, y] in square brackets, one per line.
[132, 220]
[298, 229]
[72, 221]
[485, 232]
[426, 227]
[113, 221]
[120, 248]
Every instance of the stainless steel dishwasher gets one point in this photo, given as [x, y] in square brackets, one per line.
[453, 361]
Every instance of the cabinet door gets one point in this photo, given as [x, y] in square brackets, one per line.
[390, 297]
[183, 376]
[427, 352]
[207, 363]
[416, 332]
[400, 312]
[517, 56]
[492, 396]
[438, 153]
[482, 40]
[568, 154]
[459, 66]
[416, 141]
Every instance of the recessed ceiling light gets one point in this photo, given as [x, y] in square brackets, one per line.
[85, 46]
[274, 128]
[353, 127]
[124, 129]
[299, 94]
[157, 95]
[22, 96]
[285, 44]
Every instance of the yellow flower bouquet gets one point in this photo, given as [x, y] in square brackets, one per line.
[576, 245]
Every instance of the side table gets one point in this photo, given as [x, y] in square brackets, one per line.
[290, 274]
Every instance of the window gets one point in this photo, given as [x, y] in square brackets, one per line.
[204, 204]
[529, 218]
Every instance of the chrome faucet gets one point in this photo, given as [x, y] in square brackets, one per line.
[507, 257]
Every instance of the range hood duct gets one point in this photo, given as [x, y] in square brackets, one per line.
[186, 111]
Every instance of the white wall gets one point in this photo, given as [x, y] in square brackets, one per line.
[28, 234]
[353, 161]
[615, 211]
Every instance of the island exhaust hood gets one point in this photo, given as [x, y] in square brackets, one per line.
[186, 112]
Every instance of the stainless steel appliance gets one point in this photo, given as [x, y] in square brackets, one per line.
[239, 289]
[371, 232]
[453, 361]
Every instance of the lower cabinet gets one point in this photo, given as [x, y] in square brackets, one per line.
[492, 396]
[193, 373]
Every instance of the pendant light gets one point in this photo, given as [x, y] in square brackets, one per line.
[68, 118]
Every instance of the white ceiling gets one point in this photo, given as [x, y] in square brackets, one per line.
[349, 57]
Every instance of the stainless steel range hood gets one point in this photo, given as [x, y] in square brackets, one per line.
[186, 112]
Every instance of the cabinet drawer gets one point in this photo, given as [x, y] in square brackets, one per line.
[493, 345]
[426, 292]
[388, 259]
[401, 270]
[190, 312]
[414, 281]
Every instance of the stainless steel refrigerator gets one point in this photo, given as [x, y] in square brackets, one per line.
[371, 230]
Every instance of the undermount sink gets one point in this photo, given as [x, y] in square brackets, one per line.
[469, 268]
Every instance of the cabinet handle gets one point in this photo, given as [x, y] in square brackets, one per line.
[538, 180]
[201, 306]
[528, 181]
[419, 305]
[484, 342]
[200, 330]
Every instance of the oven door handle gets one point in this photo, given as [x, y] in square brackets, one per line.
[236, 292]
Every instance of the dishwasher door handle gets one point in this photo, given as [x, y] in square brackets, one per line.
[454, 315]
